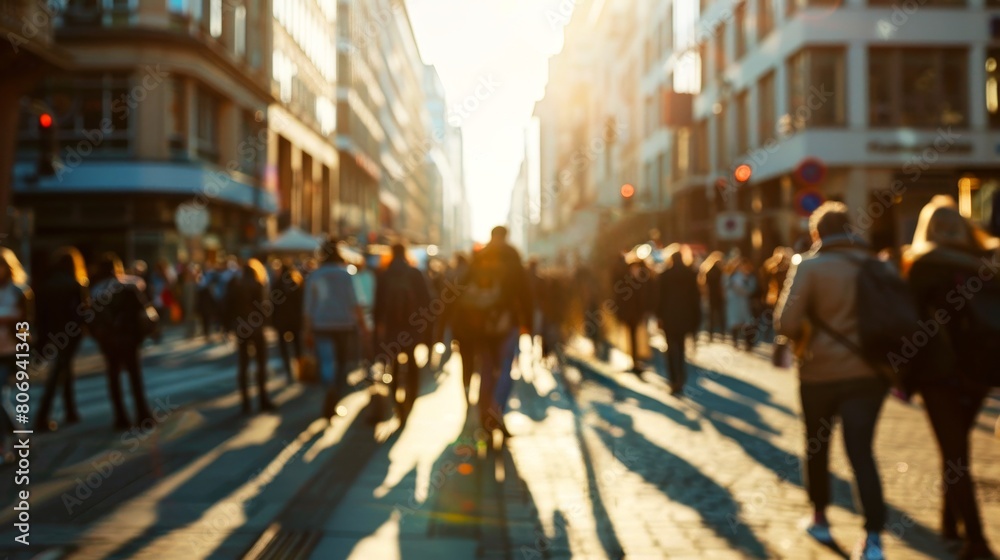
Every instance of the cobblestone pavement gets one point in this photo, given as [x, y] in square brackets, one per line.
[603, 465]
[716, 474]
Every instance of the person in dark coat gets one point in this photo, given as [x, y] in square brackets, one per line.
[634, 298]
[947, 254]
[118, 301]
[62, 303]
[711, 279]
[287, 319]
[246, 295]
[400, 293]
[679, 313]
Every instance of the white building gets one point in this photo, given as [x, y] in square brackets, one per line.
[897, 103]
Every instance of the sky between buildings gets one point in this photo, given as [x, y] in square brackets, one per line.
[492, 56]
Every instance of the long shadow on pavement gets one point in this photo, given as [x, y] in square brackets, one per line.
[680, 481]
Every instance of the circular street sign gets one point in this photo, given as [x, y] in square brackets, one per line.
[807, 201]
[811, 172]
[191, 219]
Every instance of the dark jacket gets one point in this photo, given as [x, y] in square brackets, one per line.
[401, 293]
[634, 292]
[515, 290]
[245, 297]
[61, 300]
[713, 285]
[288, 309]
[679, 306]
[934, 278]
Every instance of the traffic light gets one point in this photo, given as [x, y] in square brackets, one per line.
[628, 195]
[742, 173]
[48, 145]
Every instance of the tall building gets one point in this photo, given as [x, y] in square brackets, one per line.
[445, 166]
[161, 104]
[857, 101]
[302, 159]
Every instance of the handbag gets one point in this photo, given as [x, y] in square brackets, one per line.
[782, 356]
[307, 371]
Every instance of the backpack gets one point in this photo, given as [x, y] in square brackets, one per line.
[483, 298]
[887, 316]
[127, 314]
[977, 335]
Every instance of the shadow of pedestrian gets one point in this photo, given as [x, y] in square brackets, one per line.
[680, 481]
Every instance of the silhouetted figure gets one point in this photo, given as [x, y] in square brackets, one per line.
[679, 313]
[246, 296]
[62, 302]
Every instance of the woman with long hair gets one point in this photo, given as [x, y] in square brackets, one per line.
[118, 300]
[62, 303]
[246, 295]
[15, 312]
[947, 255]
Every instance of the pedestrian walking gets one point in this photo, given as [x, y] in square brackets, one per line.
[635, 299]
[679, 313]
[246, 295]
[207, 304]
[287, 318]
[62, 301]
[123, 318]
[400, 293]
[947, 255]
[774, 271]
[16, 306]
[835, 381]
[741, 283]
[332, 319]
[497, 300]
[711, 276]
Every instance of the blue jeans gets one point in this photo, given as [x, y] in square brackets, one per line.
[332, 355]
[508, 351]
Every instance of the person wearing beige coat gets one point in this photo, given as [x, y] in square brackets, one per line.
[834, 381]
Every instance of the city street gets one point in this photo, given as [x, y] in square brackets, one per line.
[602, 464]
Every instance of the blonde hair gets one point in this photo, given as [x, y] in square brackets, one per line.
[255, 267]
[940, 224]
[9, 260]
[70, 259]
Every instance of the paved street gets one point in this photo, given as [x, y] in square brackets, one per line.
[603, 465]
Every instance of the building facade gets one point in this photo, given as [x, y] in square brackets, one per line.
[302, 158]
[879, 105]
[160, 104]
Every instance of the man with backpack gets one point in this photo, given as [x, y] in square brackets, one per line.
[496, 301]
[819, 308]
[400, 293]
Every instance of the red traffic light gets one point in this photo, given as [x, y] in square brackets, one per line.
[627, 190]
[742, 173]
[45, 120]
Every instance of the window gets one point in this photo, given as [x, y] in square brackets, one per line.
[177, 123]
[215, 15]
[992, 87]
[88, 106]
[207, 108]
[720, 50]
[240, 31]
[742, 123]
[703, 65]
[816, 88]
[917, 87]
[765, 108]
[722, 138]
[765, 18]
[740, 27]
[701, 147]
